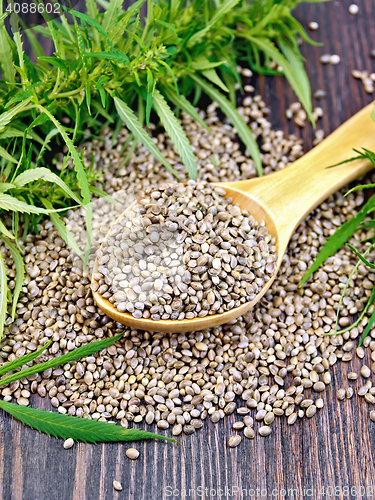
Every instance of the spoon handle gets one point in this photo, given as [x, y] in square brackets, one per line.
[289, 195]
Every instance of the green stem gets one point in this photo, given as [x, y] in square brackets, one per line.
[54, 91]
[353, 325]
[149, 14]
[347, 284]
[18, 41]
[76, 121]
[55, 41]
[66, 94]
[67, 27]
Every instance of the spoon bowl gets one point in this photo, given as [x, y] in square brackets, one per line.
[246, 202]
[282, 200]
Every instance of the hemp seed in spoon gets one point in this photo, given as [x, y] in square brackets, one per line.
[184, 251]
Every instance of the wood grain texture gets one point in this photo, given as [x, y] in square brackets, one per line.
[335, 448]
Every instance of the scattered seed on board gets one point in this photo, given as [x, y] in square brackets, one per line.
[313, 26]
[319, 403]
[234, 441]
[248, 421]
[242, 410]
[311, 410]
[372, 415]
[117, 485]
[360, 352]
[292, 418]
[325, 59]
[177, 429]
[320, 94]
[370, 398]
[246, 72]
[366, 79]
[265, 430]
[319, 387]
[349, 392]
[249, 432]
[334, 59]
[352, 376]
[353, 9]
[341, 394]
[163, 424]
[68, 443]
[362, 390]
[365, 371]
[319, 136]
[269, 418]
[132, 453]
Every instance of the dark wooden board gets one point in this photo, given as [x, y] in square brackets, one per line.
[332, 450]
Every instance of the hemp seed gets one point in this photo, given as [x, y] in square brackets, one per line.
[250, 433]
[353, 9]
[132, 453]
[265, 430]
[341, 393]
[313, 26]
[234, 441]
[365, 371]
[117, 485]
[68, 443]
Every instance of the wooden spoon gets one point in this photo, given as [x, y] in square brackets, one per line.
[282, 199]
